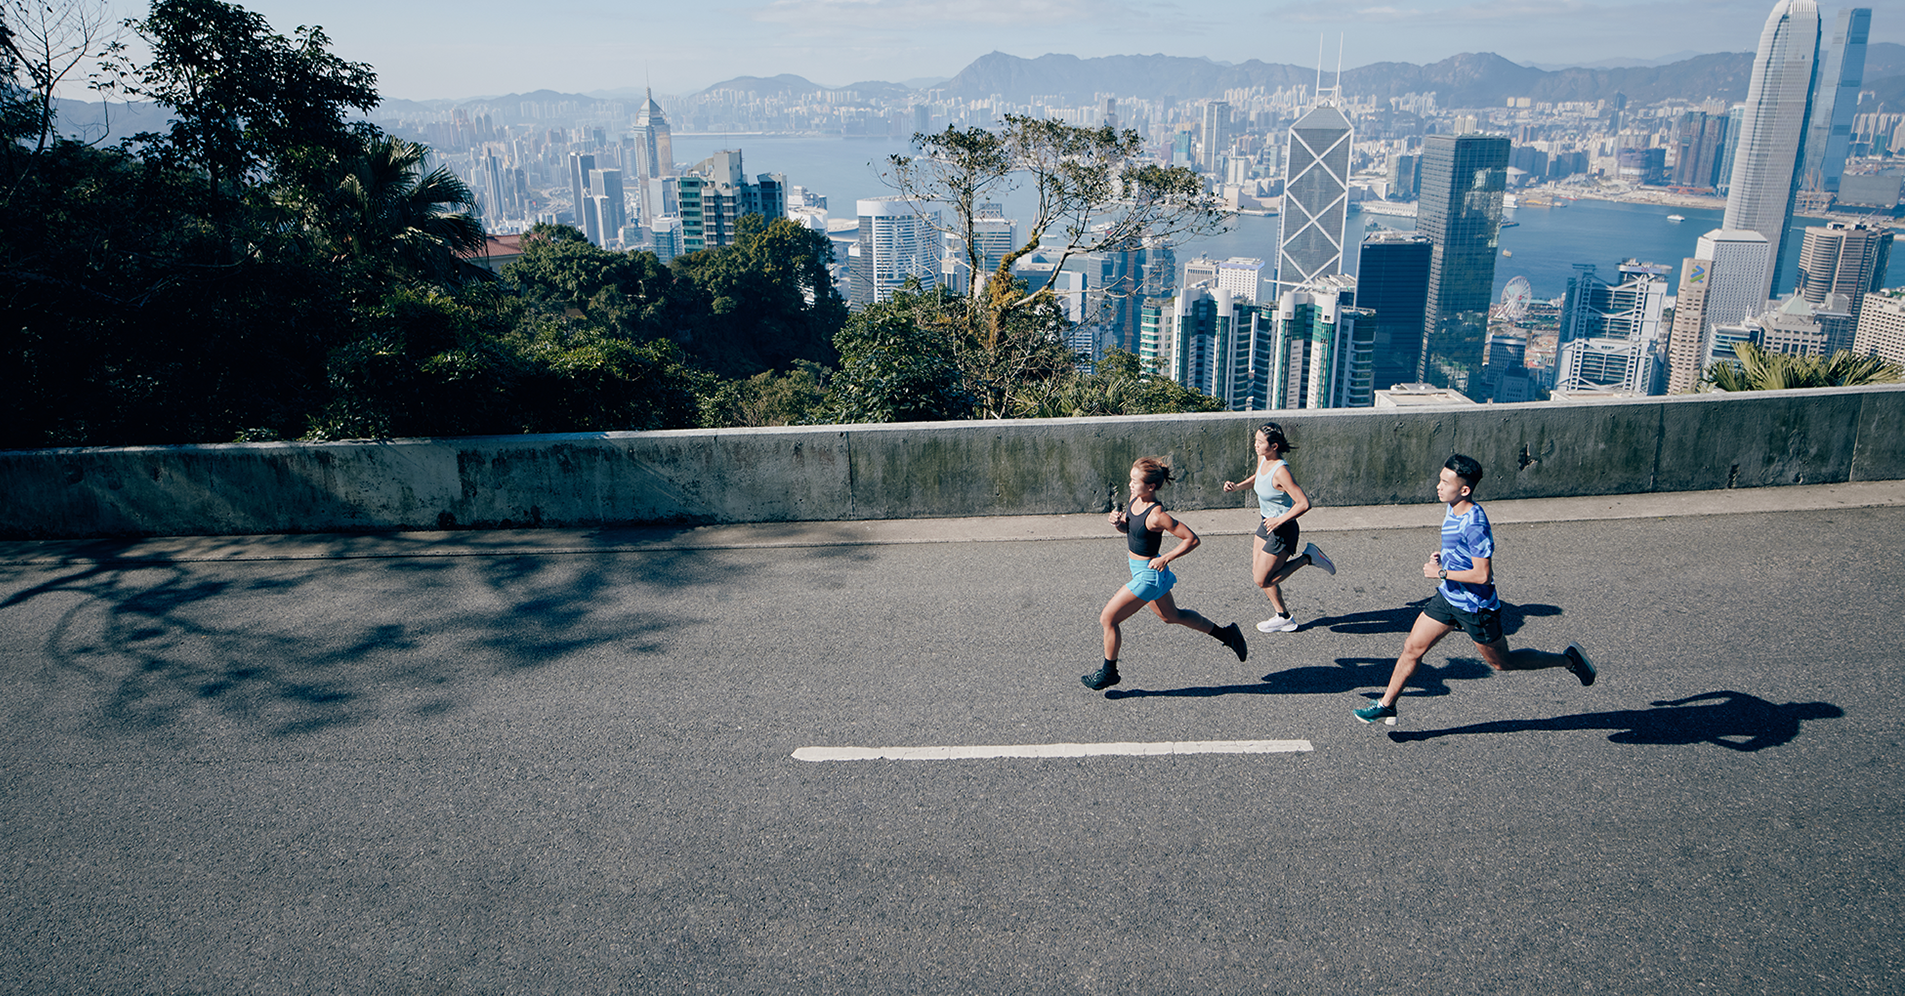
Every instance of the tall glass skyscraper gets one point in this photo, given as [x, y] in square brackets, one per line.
[1392, 280]
[1460, 210]
[1766, 165]
[1213, 136]
[1315, 197]
[653, 139]
[1835, 99]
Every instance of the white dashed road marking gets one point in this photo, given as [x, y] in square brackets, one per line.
[1050, 750]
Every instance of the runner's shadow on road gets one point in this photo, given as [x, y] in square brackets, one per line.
[1733, 720]
[1349, 674]
[1400, 619]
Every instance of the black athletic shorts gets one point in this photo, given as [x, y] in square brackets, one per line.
[1484, 626]
[1283, 540]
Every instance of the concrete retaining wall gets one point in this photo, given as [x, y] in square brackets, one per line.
[925, 470]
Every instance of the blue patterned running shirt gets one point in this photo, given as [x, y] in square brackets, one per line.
[1465, 537]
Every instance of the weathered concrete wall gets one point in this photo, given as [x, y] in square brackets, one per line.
[924, 470]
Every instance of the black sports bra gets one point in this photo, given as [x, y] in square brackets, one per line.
[1141, 539]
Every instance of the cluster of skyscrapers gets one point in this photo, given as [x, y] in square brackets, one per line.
[1419, 314]
[1420, 310]
[1794, 130]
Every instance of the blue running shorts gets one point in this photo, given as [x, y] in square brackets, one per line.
[1147, 584]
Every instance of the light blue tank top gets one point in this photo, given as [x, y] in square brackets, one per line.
[1271, 502]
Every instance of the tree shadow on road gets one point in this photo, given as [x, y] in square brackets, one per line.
[1733, 720]
[1400, 619]
[1349, 674]
[284, 648]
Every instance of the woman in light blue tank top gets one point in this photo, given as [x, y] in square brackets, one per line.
[1280, 501]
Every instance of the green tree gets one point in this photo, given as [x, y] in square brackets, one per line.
[251, 103]
[383, 217]
[150, 303]
[798, 397]
[1118, 386]
[1761, 370]
[476, 360]
[899, 362]
[631, 294]
[1092, 192]
[771, 299]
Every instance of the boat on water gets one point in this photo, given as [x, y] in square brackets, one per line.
[1506, 252]
[1510, 224]
[1676, 218]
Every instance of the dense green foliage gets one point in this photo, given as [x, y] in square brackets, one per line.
[266, 268]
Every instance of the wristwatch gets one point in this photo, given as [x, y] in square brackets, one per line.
[1443, 574]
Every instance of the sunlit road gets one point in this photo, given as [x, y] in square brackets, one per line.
[487, 769]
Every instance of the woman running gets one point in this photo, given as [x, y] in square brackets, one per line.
[1144, 527]
[1280, 502]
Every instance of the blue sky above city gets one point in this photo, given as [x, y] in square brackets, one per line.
[430, 49]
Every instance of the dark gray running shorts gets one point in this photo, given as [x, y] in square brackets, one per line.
[1282, 541]
[1483, 626]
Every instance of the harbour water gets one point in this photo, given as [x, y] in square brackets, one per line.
[1543, 245]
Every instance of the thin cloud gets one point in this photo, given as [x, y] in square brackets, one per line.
[1522, 11]
[913, 15]
[1528, 12]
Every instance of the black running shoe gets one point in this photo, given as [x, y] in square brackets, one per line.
[1579, 664]
[1234, 639]
[1103, 678]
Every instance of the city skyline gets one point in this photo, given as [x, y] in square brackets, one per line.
[835, 43]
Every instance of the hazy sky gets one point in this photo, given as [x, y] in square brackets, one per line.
[425, 49]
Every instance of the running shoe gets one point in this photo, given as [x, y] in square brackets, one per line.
[1103, 678]
[1579, 664]
[1277, 624]
[1375, 711]
[1233, 638]
[1317, 558]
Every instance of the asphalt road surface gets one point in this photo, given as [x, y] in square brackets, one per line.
[479, 770]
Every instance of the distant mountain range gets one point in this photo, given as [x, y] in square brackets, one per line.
[1467, 80]
[1619, 63]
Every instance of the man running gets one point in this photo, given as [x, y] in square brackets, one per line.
[1466, 596]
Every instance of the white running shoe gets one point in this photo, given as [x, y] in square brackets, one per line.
[1317, 558]
[1277, 624]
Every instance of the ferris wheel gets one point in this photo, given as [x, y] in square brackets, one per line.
[1515, 298]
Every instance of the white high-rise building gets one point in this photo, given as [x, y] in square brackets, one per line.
[1736, 287]
[1882, 326]
[1766, 163]
[608, 206]
[1242, 276]
[1611, 336]
[1213, 134]
[996, 235]
[1721, 286]
[899, 240]
[581, 165]
[1315, 213]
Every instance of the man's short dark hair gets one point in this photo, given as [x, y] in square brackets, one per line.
[1467, 468]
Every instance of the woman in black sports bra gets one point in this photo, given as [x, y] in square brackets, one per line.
[1144, 527]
